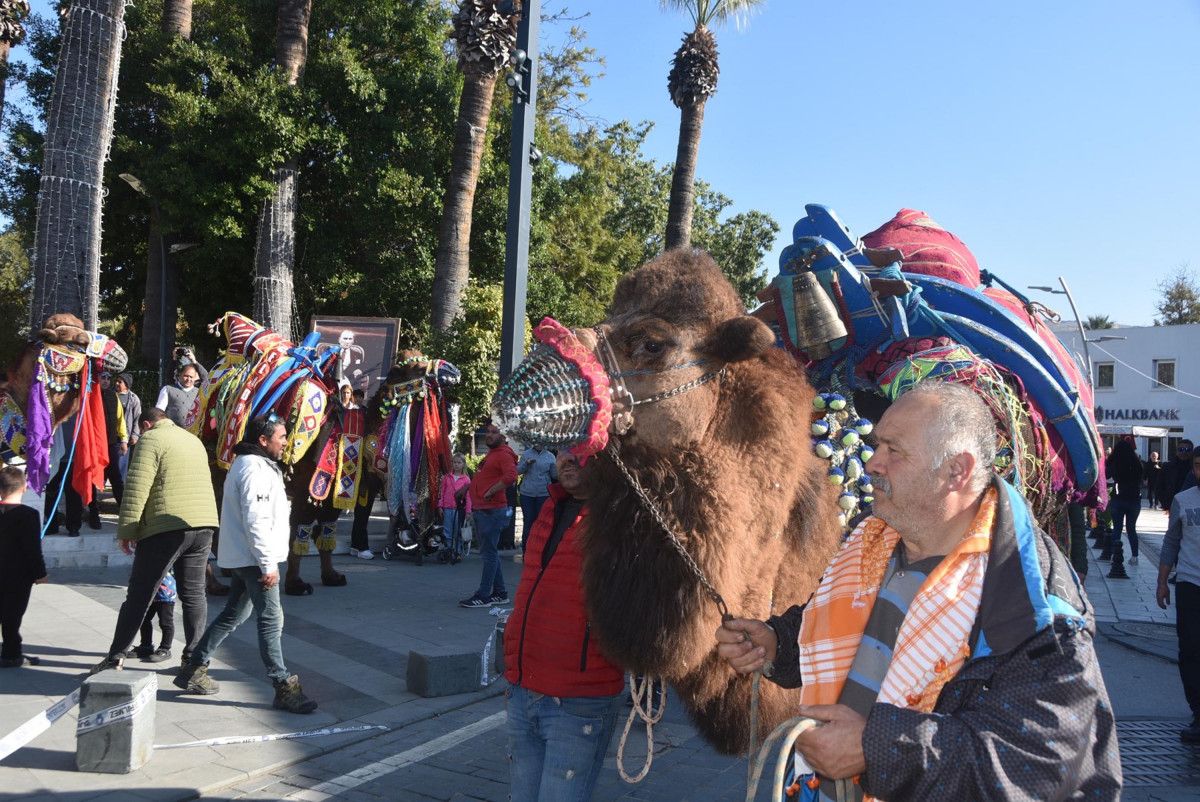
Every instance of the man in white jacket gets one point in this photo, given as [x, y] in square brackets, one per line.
[254, 540]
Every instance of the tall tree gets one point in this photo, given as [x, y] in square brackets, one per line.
[1179, 299]
[1094, 322]
[275, 252]
[485, 32]
[12, 14]
[692, 81]
[160, 312]
[79, 127]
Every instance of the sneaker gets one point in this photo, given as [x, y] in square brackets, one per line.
[94, 520]
[72, 533]
[498, 598]
[17, 662]
[289, 697]
[115, 662]
[1191, 733]
[195, 679]
[157, 656]
[1133, 560]
[362, 554]
[475, 601]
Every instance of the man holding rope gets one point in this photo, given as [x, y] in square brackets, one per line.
[947, 652]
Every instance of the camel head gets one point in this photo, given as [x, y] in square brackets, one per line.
[699, 426]
[58, 356]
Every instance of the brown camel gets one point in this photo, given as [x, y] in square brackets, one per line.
[730, 466]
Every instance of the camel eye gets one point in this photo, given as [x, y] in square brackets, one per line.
[652, 347]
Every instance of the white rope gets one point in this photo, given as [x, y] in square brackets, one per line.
[789, 731]
[642, 692]
[1157, 383]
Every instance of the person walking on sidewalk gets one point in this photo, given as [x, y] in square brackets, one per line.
[495, 474]
[21, 564]
[537, 466]
[169, 513]
[564, 694]
[1176, 474]
[1181, 552]
[254, 540]
[1153, 479]
[1125, 468]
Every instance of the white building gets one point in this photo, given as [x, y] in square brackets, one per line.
[1147, 381]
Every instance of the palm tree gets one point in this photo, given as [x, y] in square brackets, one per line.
[162, 279]
[693, 80]
[79, 127]
[1095, 322]
[12, 12]
[485, 32]
[275, 253]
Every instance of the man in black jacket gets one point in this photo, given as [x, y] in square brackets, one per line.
[1176, 474]
[974, 675]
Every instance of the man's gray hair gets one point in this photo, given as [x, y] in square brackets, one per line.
[962, 424]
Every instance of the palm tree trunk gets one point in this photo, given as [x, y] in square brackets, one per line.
[79, 124]
[683, 183]
[160, 310]
[275, 254]
[452, 265]
[4, 48]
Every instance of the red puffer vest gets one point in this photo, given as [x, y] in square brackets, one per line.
[548, 643]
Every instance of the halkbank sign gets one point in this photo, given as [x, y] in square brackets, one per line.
[1103, 414]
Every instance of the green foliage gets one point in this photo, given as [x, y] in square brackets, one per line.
[1098, 322]
[14, 295]
[1179, 300]
[202, 123]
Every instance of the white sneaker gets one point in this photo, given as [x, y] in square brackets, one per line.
[362, 554]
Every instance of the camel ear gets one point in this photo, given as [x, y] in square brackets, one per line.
[738, 339]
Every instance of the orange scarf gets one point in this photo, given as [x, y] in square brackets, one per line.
[933, 641]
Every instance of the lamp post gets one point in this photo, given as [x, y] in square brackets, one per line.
[1087, 357]
[522, 156]
[163, 255]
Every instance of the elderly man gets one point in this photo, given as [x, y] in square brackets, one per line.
[947, 651]
[179, 400]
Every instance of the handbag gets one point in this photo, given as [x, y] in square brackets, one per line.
[467, 533]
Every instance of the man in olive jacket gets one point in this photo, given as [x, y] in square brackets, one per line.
[168, 513]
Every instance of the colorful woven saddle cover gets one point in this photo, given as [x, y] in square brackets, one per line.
[262, 373]
[872, 314]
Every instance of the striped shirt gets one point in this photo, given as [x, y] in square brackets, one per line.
[901, 581]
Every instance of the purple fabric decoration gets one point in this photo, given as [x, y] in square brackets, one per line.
[39, 435]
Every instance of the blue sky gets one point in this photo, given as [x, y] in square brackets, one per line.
[1053, 138]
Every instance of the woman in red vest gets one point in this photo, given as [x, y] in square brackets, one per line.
[565, 695]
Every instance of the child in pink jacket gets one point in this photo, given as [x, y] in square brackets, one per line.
[455, 503]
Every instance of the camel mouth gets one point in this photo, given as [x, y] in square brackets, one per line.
[558, 397]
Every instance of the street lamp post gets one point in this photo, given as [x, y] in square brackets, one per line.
[1087, 356]
[522, 157]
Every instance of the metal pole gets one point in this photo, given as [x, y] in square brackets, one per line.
[162, 299]
[1087, 356]
[520, 183]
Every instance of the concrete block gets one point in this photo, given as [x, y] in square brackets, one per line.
[115, 733]
[443, 673]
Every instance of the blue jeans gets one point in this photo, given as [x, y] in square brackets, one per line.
[557, 745]
[530, 507]
[1126, 511]
[452, 530]
[488, 526]
[246, 592]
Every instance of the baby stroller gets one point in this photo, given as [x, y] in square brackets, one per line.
[415, 536]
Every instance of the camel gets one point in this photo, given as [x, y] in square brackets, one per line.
[719, 442]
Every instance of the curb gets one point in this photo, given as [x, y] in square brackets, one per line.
[1147, 646]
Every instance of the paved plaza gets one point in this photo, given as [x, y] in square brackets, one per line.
[350, 648]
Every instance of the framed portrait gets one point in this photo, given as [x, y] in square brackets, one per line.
[368, 348]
